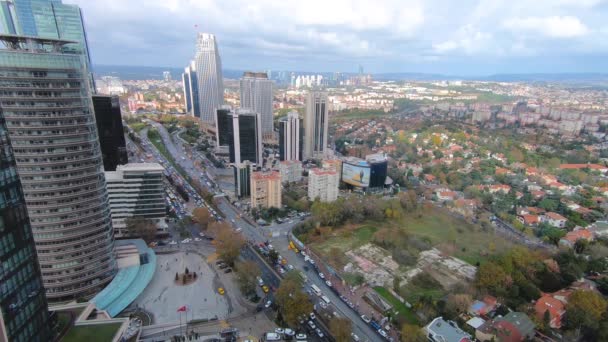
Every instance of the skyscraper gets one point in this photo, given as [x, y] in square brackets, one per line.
[316, 123]
[190, 83]
[110, 131]
[245, 138]
[209, 77]
[256, 94]
[167, 76]
[290, 137]
[47, 19]
[223, 126]
[23, 308]
[46, 101]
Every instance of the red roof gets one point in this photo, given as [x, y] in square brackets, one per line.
[555, 216]
[555, 307]
[583, 166]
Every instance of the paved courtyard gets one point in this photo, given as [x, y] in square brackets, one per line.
[163, 297]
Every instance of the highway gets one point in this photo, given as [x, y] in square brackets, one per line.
[258, 235]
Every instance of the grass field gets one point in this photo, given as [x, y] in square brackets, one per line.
[449, 234]
[398, 307]
[102, 332]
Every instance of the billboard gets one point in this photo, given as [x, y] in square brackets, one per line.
[356, 174]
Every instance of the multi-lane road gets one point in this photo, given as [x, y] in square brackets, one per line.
[277, 234]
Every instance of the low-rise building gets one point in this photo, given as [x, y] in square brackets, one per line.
[291, 171]
[440, 330]
[136, 190]
[578, 234]
[265, 189]
[514, 327]
[554, 219]
[323, 184]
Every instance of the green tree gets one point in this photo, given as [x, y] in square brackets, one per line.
[291, 300]
[340, 329]
[585, 309]
[412, 333]
[246, 274]
[139, 227]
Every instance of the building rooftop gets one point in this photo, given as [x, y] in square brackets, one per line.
[273, 175]
[141, 167]
[446, 331]
[321, 172]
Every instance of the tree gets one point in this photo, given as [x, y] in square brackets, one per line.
[228, 245]
[246, 274]
[491, 276]
[585, 309]
[141, 228]
[291, 300]
[412, 333]
[458, 303]
[340, 329]
[201, 215]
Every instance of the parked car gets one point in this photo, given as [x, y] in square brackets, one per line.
[366, 319]
[312, 325]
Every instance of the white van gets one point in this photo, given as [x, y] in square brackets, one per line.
[325, 299]
[272, 336]
[316, 289]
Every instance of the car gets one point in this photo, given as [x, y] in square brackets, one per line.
[260, 281]
[328, 283]
[281, 270]
[173, 243]
[222, 266]
[290, 267]
[312, 325]
[319, 333]
[321, 275]
[265, 288]
[221, 291]
[382, 333]
[279, 331]
[301, 337]
[312, 315]
[312, 262]
[268, 304]
[197, 239]
[323, 305]
[219, 261]
[354, 337]
[365, 319]
[238, 230]
[289, 332]
[228, 270]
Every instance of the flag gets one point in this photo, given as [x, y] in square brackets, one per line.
[182, 309]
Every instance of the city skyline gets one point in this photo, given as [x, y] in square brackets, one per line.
[472, 38]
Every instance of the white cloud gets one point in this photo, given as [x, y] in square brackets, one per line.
[553, 26]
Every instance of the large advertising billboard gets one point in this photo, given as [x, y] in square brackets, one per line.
[357, 175]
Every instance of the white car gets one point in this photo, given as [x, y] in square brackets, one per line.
[328, 283]
[173, 243]
[289, 332]
[382, 333]
[290, 267]
[279, 331]
[312, 315]
[268, 304]
[365, 319]
[355, 337]
[301, 337]
[311, 324]
[197, 239]
[319, 333]
[321, 275]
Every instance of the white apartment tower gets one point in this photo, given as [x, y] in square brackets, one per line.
[290, 131]
[323, 184]
[316, 124]
[209, 76]
[256, 94]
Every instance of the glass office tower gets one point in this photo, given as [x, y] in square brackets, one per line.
[46, 101]
[23, 308]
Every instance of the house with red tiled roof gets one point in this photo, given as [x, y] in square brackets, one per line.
[529, 219]
[537, 194]
[446, 195]
[514, 327]
[494, 188]
[596, 167]
[579, 234]
[556, 306]
[554, 219]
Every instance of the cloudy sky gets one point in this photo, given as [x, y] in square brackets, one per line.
[458, 37]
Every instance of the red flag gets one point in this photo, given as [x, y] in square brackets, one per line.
[182, 309]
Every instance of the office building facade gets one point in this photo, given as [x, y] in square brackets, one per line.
[265, 189]
[316, 125]
[223, 126]
[245, 139]
[209, 77]
[242, 179]
[290, 137]
[256, 94]
[190, 85]
[323, 185]
[47, 19]
[111, 132]
[136, 190]
[46, 101]
[23, 307]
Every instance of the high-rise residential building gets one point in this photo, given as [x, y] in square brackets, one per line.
[46, 101]
[245, 141]
[23, 308]
[190, 84]
[209, 77]
[167, 76]
[223, 126]
[110, 131]
[316, 123]
[136, 190]
[290, 137]
[110, 85]
[47, 19]
[242, 179]
[323, 184]
[291, 171]
[256, 94]
[265, 189]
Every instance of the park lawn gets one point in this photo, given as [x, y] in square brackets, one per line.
[399, 307]
[347, 239]
[101, 332]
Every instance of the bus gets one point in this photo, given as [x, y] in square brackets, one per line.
[316, 289]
